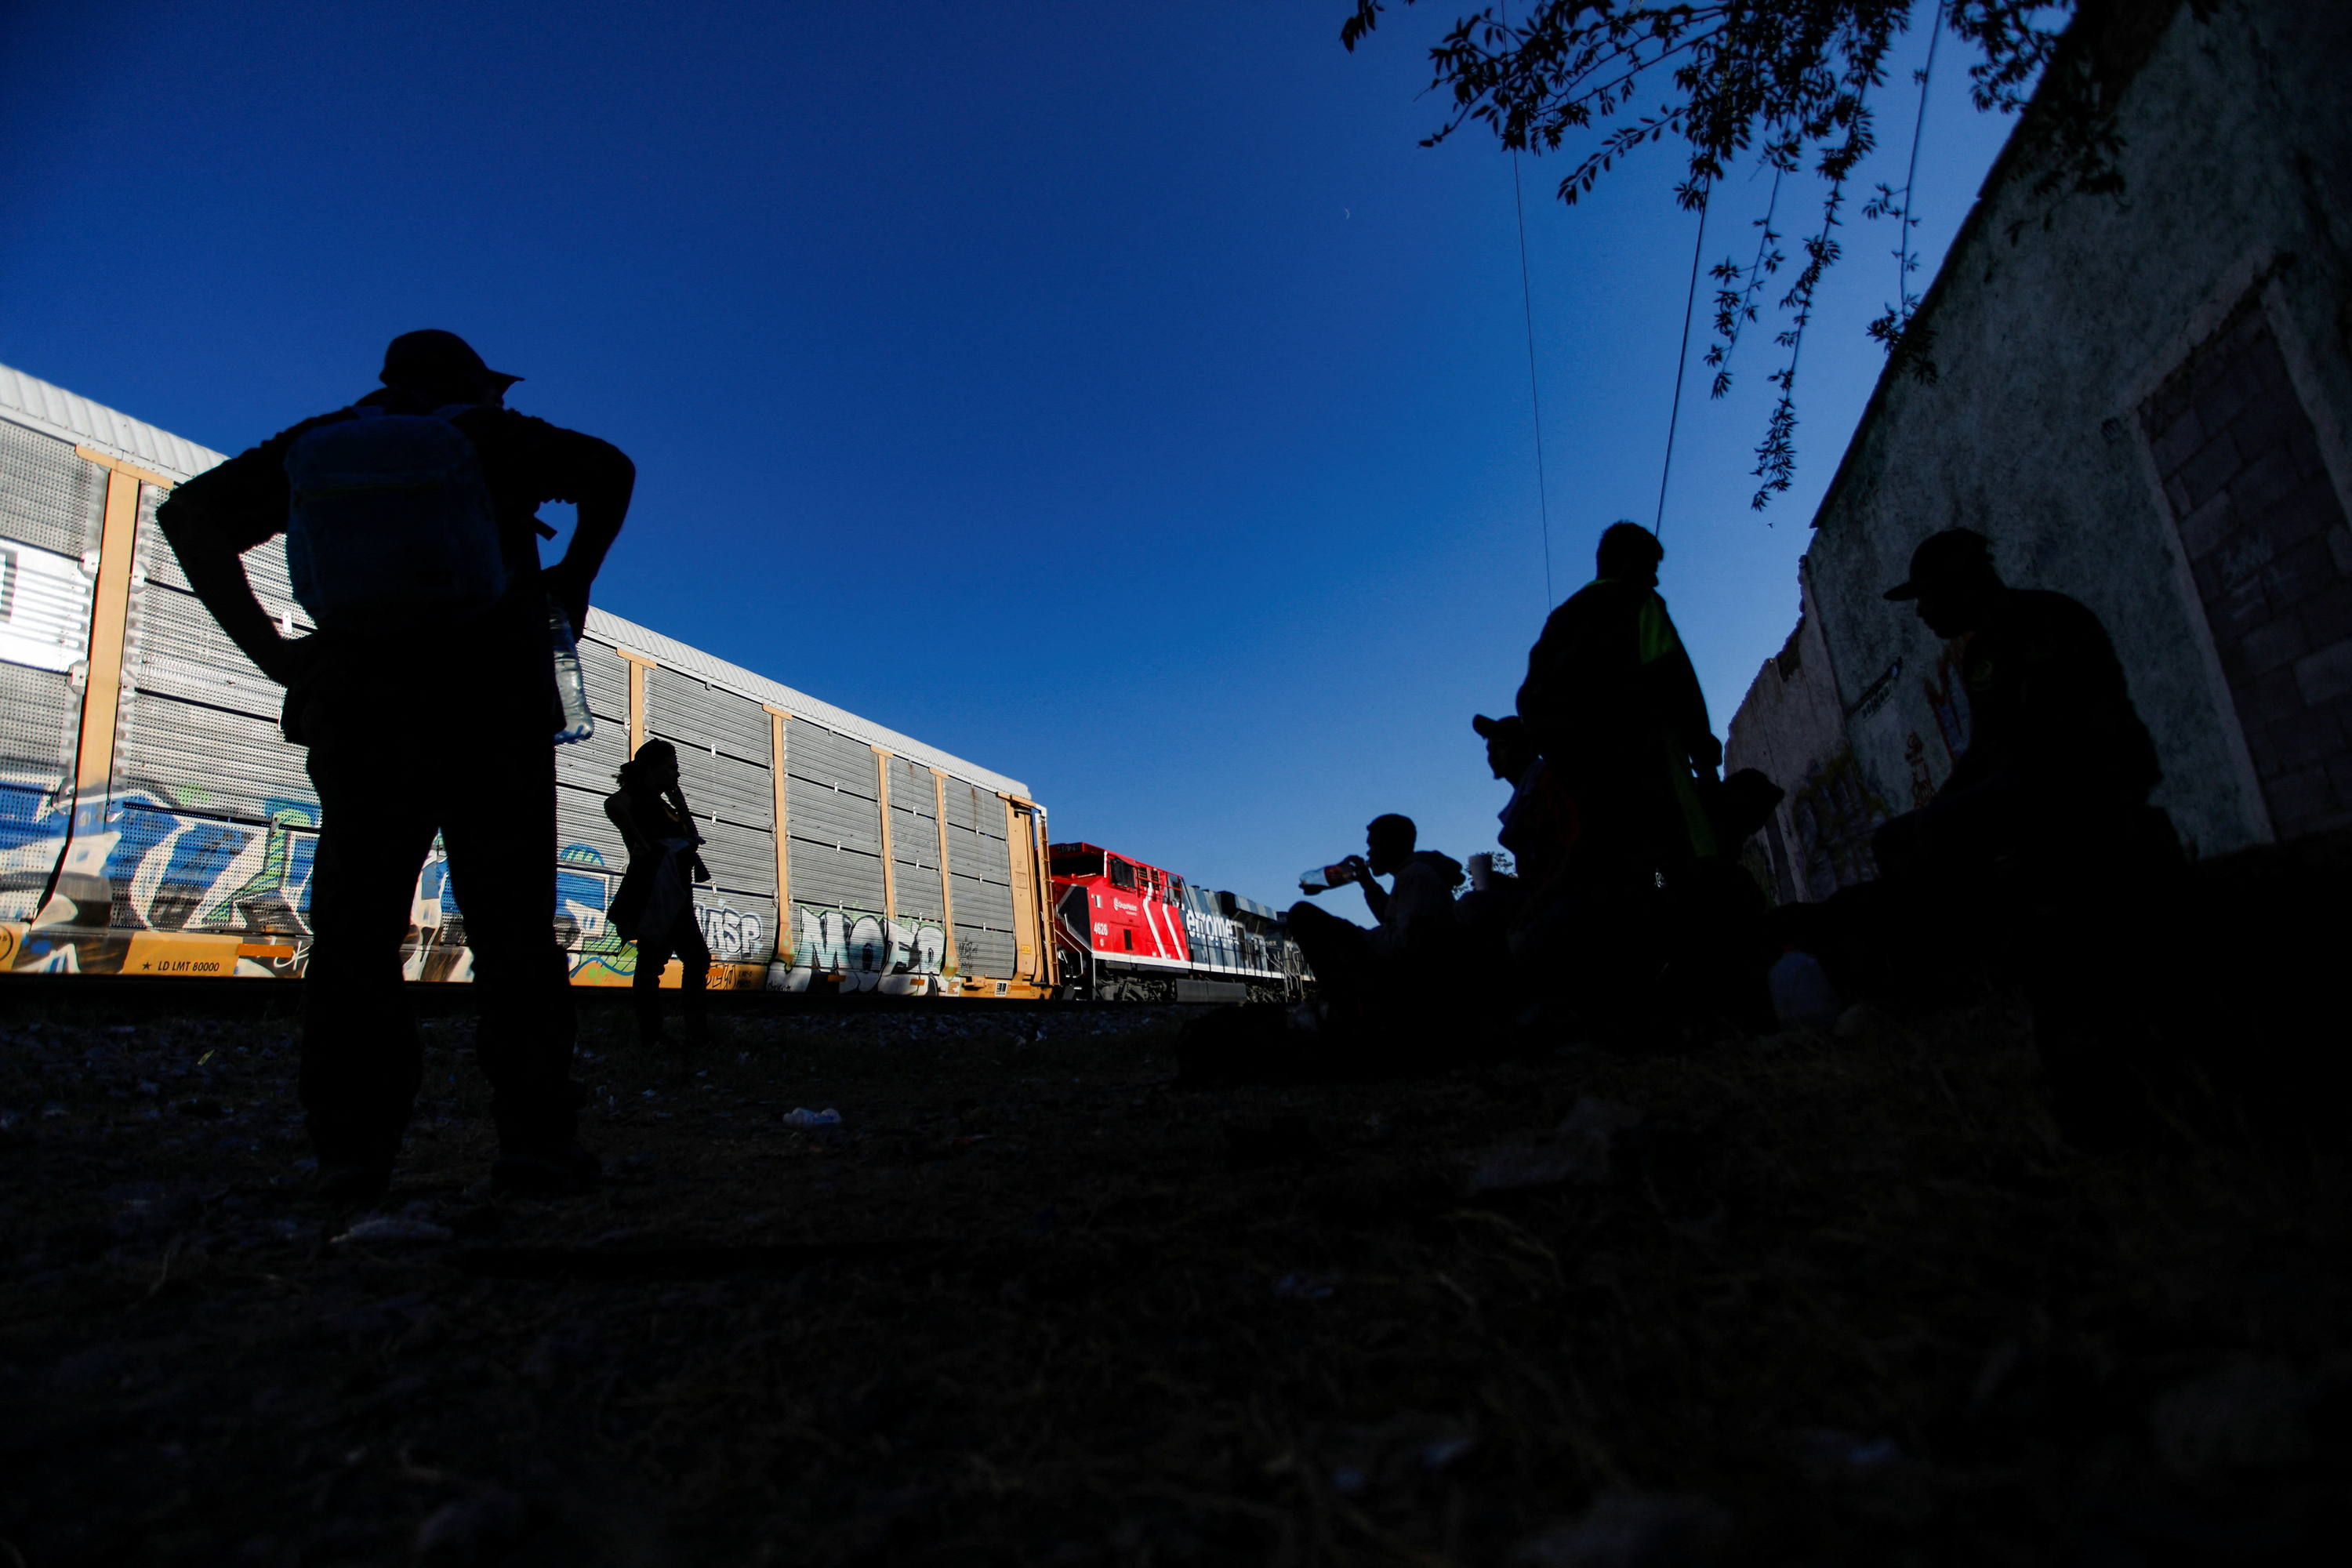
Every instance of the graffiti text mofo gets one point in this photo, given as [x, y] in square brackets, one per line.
[864, 949]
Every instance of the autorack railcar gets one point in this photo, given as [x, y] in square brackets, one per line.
[153, 821]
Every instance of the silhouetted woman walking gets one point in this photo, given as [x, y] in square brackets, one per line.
[655, 908]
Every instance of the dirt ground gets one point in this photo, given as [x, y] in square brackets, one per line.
[1819, 1298]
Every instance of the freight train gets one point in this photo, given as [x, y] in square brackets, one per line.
[153, 822]
[1132, 933]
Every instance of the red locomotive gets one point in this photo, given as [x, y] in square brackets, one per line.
[1132, 932]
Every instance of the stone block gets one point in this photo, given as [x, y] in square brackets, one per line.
[2305, 571]
[2239, 610]
[2236, 382]
[2299, 801]
[2203, 528]
[2310, 738]
[2176, 443]
[2241, 555]
[2305, 445]
[2265, 647]
[2267, 480]
[2270, 419]
[2309, 508]
[2323, 677]
[2209, 470]
[2327, 617]
[2268, 700]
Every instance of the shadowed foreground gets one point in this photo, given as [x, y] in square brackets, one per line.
[1808, 1298]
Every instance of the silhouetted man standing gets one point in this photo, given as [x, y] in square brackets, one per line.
[1614, 706]
[2056, 753]
[428, 703]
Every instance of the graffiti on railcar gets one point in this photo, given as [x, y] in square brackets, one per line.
[32, 835]
[152, 869]
[863, 947]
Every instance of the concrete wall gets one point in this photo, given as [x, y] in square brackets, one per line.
[2141, 400]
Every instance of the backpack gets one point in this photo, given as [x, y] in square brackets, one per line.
[391, 524]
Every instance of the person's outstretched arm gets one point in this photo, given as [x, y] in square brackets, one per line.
[209, 522]
[601, 491]
[1375, 896]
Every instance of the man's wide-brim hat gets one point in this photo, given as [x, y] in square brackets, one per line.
[1955, 556]
[436, 356]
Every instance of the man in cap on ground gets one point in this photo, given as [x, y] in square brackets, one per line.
[2056, 757]
[438, 720]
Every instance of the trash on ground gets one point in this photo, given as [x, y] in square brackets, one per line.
[1631, 1530]
[393, 1227]
[2249, 1415]
[802, 1116]
[1576, 1150]
[473, 1527]
[1802, 991]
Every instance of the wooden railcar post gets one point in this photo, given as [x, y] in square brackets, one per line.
[947, 874]
[638, 664]
[779, 781]
[889, 876]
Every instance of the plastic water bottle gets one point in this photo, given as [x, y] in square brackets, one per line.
[1323, 878]
[1802, 991]
[578, 722]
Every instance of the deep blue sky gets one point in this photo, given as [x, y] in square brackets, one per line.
[1117, 397]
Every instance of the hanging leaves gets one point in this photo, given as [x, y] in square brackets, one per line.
[1787, 82]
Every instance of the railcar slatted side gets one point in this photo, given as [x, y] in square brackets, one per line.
[973, 808]
[606, 674]
[590, 764]
[39, 713]
[816, 814]
[983, 950]
[737, 858]
[682, 710]
[50, 500]
[814, 752]
[915, 842]
[179, 651]
[733, 790]
[580, 820]
[981, 865]
[915, 889]
[48, 496]
[827, 877]
[209, 762]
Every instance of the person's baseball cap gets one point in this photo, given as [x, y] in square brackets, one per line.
[1510, 728]
[1942, 560]
[433, 356]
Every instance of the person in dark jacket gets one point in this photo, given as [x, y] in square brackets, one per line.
[655, 908]
[2057, 759]
[441, 725]
[1615, 707]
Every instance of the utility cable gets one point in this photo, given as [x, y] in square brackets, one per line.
[1682, 360]
[1534, 395]
[1911, 174]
